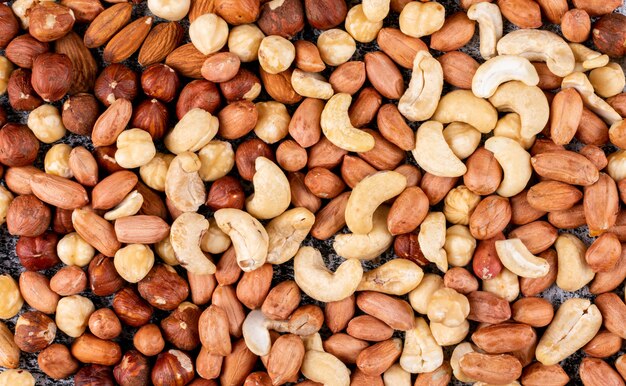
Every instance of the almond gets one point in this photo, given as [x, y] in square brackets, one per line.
[160, 42]
[376, 359]
[604, 252]
[345, 347]
[285, 359]
[537, 236]
[106, 24]
[384, 75]
[458, 69]
[504, 337]
[565, 166]
[338, 314]
[490, 217]
[187, 61]
[112, 190]
[494, 369]
[396, 313]
[141, 229]
[565, 114]
[369, 328]
[393, 127]
[601, 205]
[612, 309]
[522, 13]
[537, 374]
[553, 195]
[408, 211]
[128, 40]
[456, 32]
[112, 122]
[596, 372]
[84, 66]
[58, 191]
[533, 287]
[486, 307]
[400, 47]
[96, 231]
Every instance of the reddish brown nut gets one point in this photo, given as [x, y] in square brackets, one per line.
[133, 370]
[301, 196]
[105, 157]
[22, 95]
[348, 77]
[323, 183]
[286, 19]
[3, 116]
[609, 34]
[38, 253]
[282, 300]
[490, 217]
[325, 14]
[414, 200]
[486, 307]
[94, 375]
[28, 216]
[304, 126]
[103, 277]
[57, 362]
[460, 280]
[596, 372]
[456, 32]
[50, 21]
[34, 331]
[114, 82]
[163, 288]
[237, 119]
[291, 156]
[172, 367]
[486, 263]
[69, 280]
[131, 308]
[148, 340]
[160, 81]
[9, 26]
[104, 324]
[226, 192]
[604, 253]
[308, 57]
[90, 349]
[254, 286]
[80, 113]
[523, 13]
[533, 287]
[23, 50]
[152, 116]
[221, 67]
[51, 77]
[278, 86]
[406, 246]
[240, 12]
[576, 25]
[244, 85]
[84, 10]
[180, 328]
[458, 68]
[198, 94]
[365, 107]
[18, 145]
[536, 312]
[246, 154]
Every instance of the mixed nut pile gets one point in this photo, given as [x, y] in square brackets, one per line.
[518, 152]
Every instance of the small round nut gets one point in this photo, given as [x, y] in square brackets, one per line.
[72, 316]
[133, 262]
[448, 307]
[169, 10]
[17, 377]
[576, 25]
[34, 331]
[459, 245]
[11, 301]
[273, 122]
[134, 148]
[104, 324]
[276, 54]
[148, 340]
[28, 216]
[209, 33]
[217, 159]
[57, 161]
[45, 122]
[57, 362]
[153, 173]
[74, 250]
[360, 27]
[244, 41]
[336, 46]
[459, 205]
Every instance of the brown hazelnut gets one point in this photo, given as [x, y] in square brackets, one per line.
[172, 367]
[84, 10]
[180, 328]
[148, 340]
[131, 308]
[69, 280]
[325, 14]
[23, 50]
[247, 152]
[104, 324]
[22, 95]
[221, 67]
[90, 349]
[163, 288]
[18, 145]
[160, 81]
[80, 113]
[244, 85]
[151, 116]
[52, 76]
[198, 94]
[291, 156]
[284, 20]
[57, 362]
[3, 116]
[406, 246]
[226, 192]
[238, 12]
[38, 253]
[609, 34]
[50, 21]
[62, 221]
[28, 216]
[133, 370]
[9, 26]
[105, 157]
[114, 82]
[103, 277]
[34, 331]
[94, 375]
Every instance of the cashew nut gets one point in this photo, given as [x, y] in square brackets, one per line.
[366, 246]
[504, 285]
[433, 153]
[580, 83]
[421, 353]
[586, 58]
[510, 126]
[501, 69]
[539, 45]
[573, 271]
[376, 10]
[464, 106]
[529, 102]
[311, 85]
[286, 232]
[515, 163]
[449, 336]
[272, 194]
[420, 100]
[337, 127]
[185, 235]
[395, 277]
[325, 368]
[421, 295]
[129, 206]
[576, 322]
[248, 236]
[196, 129]
[256, 332]
[432, 238]
[317, 281]
[515, 256]
[462, 138]
[183, 185]
[367, 195]
[490, 26]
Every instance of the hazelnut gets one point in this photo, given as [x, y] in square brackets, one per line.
[244, 85]
[276, 54]
[407, 247]
[151, 116]
[17, 377]
[246, 154]
[23, 50]
[22, 95]
[45, 122]
[198, 94]
[154, 172]
[9, 26]
[286, 19]
[291, 156]
[69, 280]
[148, 340]
[57, 161]
[80, 113]
[103, 277]
[94, 375]
[239, 12]
[160, 81]
[237, 119]
[62, 221]
[104, 324]
[38, 253]
[180, 328]
[3, 116]
[609, 34]
[163, 288]
[52, 75]
[114, 82]
[84, 10]
[49, 21]
[244, 41]
[72, 315]
[134, 261]
[208, 43]
[221, 67]
[34, 331]
[226, 192]
[6, 198]
[18, 145]
[28, 216]
[89, 349]
[325, 14]
[172, 367]
[57, 362]
[131, 308]
[133, 370]
[217, 159]
[169, 11]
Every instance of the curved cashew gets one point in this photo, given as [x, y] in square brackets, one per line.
[185, 235]
[510, 126]
[366, 246]
[490, 26]
[325, 368]
[286, 232]
[376, 10]
[464, 106]
[586, 58]
[367, 195]
[433, 153]
[462, 138]
[420, 100]
[573, 272]
[129, 206]
[272, 194]
[317, 281]
[395, 277]
[256, 332]
[580, 83]
[515, 256]
[183, 185]
[421, 353]
[576, 322]
[432, 238]
[248, 236]
[195, 129]
[529, 102]
[539, 45]
[311, 85]
[515, 163]
[501, 69]
[337, 127]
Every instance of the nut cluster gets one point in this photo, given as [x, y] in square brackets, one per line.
[473, 191]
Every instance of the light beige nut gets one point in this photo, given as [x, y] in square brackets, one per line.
[580, 83]
[395, 277]
[6, 67]
[276, 54]
[322, 367]
[366, 246]
[133, 262]
[490, 26]
[515, 163]
[273, 121]
[208, 33]
[504, 285]
[573, 270]
[576, 322]
[586, 58]
[9, 351]
[432, 238]
[45, 122]
[256, 332]
[448, 307]
[248, 236]
[616, 166]
[74, 250]
[184, 171]
[165, 251]
[510, 126]
[169, 10]
[311, 85]
[459, 245]
[154, 172]
[608, 81]
[272, 194]
[360, 27]
[193, 132]
[376, 10]
[336, 46]
[317, 281]
[515, 256]
[185, 235]
[422, 19]
[214, 240]
[396, 375]
[459, 205]
[336, 126]
[217, 159]
[421, 353]
[134, 148]
[449, 336]
[433, 153]
[286, 232]
[129, 206]
[529, 102]
[458, 353]
[421, 295]
[57, 161]
[12, 300]
[464, 106]
[540, 46]
[462, 138]
[17, 377]
[420, 100]
[501, 69]
[72, 314]
[244, 41]
[6, 197]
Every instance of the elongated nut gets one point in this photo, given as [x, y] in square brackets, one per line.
[581, 83]
[12, 300]
[272, 194]
[515, 163]
[185, 235]
[335, 123]
[421, 353]
[420, 100]
[490, 26]
[369, 245]
[325, 368]
[286, 232]
[515, 256]
[432, 237]
[433, 153]
[248, 236]
[395, 277]
[183, 171]
[501, 69]
[573, 271]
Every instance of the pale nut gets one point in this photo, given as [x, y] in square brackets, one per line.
[217, 159]
[311, 85]
[580, 82]
[12, 300]
[366, 246]
[432, 238]
[421, 295]
[249, 237]
[510, 126]
[276, 54]
[208, 33]
[336, 126]
[433, 153]
[134, 148]
[449, 336]
[608, 81]
[214, 240]
[6, 197]
[244, 41]
[462, 138]
[573, 270]
[505, 285]
[501, 69]
[6, 67]
[133, 262]
[529, 102]
[168, 9]
[45, 122]
[193, 132]
[17, 377]
[515, 163]
[57, 161]
[464, 106]
[395, 277]
[421, 19]
[286, 232]
[322, 367]
[376, 10]
[272, 124]
[459, 246]
[184, 171]
[154, 172]
[459, 205]
[448, 307]
[336, 46]
[490, 26]
[360, 27]
[74, 250]
[515, 256]
[72, 314]
[185, 235]
[421, 352]
[420, 100]
[272, 194]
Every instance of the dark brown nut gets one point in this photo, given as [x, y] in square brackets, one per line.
[23, 50]
[89, 349]
[104, 324]
[85, 68]
[286, 19]
[225, 298]
[254, 286]
[18, 145]
[57, 362]
[365, 107]
[227, 270]
[237, 119]
[304, 126]
[133, 370]
[240, 12]
[69, 280]
[38, 253]
[52, 75]
[278, 86]
[407, 246]
[325, 154]
[105, 157]
[458, 69]
[187, 61]
[618, 102]
[576, 25]
[84, 10]
[148, 340]
[301, 196]
[172, 367]
[116, 81]
[258, 378]
[94, 375]
[28, 216]
[369, 328]
[22, 95]
[34, 331]
[282, 300]
[490, 217]
[180, 328]
[486, 307]
[103, 277]
[323, 183]
[460, 280]
[226, 192]
[291, 156]
[131, 308]
[436, 188]
[198, 94]
[50, 21]
[152, 116]
[160, 81]
[244, 85]
[533, 287]
[163, 288]
[325, 14]
[246, 154]
[3, 116]
[80, 113]
[9, 26]
[153, 204]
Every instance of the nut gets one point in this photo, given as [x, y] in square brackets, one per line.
[13, 301]
[90, 374]
[198, 94]
[116, 81]
[27, 216]
[221, 67]
[17, 377]
[169, 11]
[89, 349]
[134, 148]
[57, 160]
[24, 49]
[421, 353]
[184, 169]
[208, 43]
[148, 340]
[57, 362]
[244, 41]
[134, 369]
[163, 288]
[421, 19]
[362, 28]
[45, 122]
[171, 366]
[336, 46]
[35, 289]
[51, 76]
[104, 324]
[576, 25]
[151, 116]
[608, 34]
[10, 25]
[34, 331]
[49, 21]
[72, 315]
[606, 80]
[69, 280]
[181, 327]
[83, 166]
[160, 81]
[133, 262]
[366, 246]
[459, 245]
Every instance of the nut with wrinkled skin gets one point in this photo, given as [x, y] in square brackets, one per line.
[459, 205]
[72, 314]
[57, 161]
[134, 148]
[360, 27]
[45, 122]
[74, 250]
